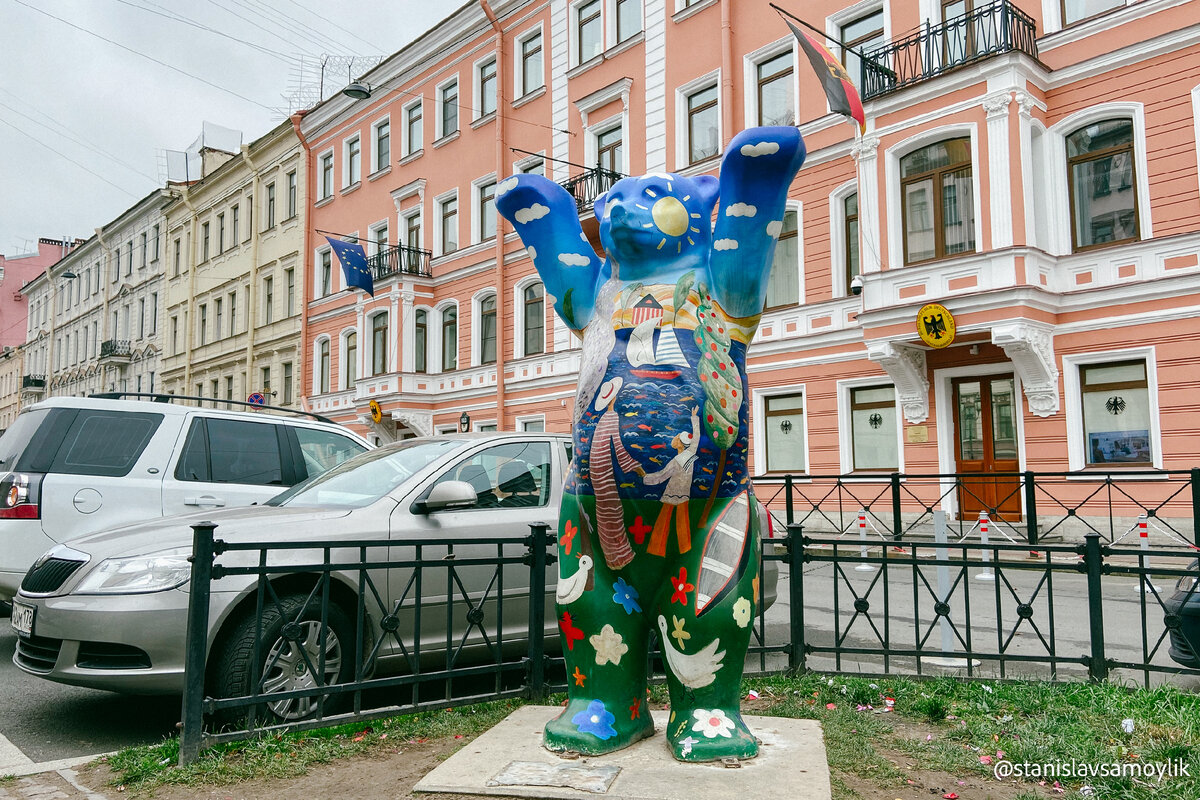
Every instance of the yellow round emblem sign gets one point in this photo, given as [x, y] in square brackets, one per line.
[376, 411]
[935, 325]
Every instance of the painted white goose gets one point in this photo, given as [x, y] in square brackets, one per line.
[696, 670]
[571, 589]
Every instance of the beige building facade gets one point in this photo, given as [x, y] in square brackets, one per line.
[233, 272]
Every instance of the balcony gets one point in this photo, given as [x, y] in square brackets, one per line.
[400, 260]
[589, 185]
[116, 351]
[993, 29]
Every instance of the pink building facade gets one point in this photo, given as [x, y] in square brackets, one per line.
[15, 272]
[1029, 166]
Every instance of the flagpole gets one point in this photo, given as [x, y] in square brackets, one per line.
[890, 73]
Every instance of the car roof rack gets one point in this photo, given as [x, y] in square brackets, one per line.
[158, 397]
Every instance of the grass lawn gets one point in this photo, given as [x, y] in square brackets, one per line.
[938, 738]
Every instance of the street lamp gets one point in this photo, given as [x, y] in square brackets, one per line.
[358, 90]
[464, 422]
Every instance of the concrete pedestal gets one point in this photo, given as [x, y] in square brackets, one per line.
[509, 760]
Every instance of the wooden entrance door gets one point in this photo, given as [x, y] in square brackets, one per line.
[985, 440]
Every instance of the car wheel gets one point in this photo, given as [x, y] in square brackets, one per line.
[291, 641]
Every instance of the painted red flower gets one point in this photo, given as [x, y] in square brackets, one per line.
[568, 537]
[682, 587]
[570, 632]
[639, 529]
[635, 710]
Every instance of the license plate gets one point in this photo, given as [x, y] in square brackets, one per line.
[22, 618]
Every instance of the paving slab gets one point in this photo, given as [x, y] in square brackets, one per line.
[509, 761]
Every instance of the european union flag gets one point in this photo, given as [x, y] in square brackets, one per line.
[353, 259]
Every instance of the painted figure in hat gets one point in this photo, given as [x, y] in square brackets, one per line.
[661, 430]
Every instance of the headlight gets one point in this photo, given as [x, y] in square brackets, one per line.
[139, 574]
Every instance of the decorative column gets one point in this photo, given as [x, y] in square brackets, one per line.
[393, 322]
[407, 350]
[864, 152]
[1025, 105]
[999, 169]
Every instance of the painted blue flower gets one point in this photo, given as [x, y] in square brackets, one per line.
[596, 720]
[626, 596]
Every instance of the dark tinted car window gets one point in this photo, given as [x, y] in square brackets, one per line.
[244, 452]
[105, 442]
[17, 437]
[193, 461]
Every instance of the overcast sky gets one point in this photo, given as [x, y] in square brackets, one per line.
[68, 96]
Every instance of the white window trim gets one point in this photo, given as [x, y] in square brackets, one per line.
[609, 15]
[798, 207]
[437, 102]
[1073, 401]
[522, 419]
[438, 244]
[1052, 19]
[476, 207]
[477, 324]
[341, 382]
[750, 64]
[477, 112]
[409, 356]
[346, 182]
[573, 54]
[371, 248]
[369, 327]
[892, 183]
[333, 268]
[375, 143]
[522, 164]
[706, 81]
[333, 170]
[836, 21]
[519, 88]
[444, 430]
[837, 237]
[433, 366]
[518, 299]
[758, 413]
[591, 146]
[1056, 160]
[316, 357]
[407, 148]
[845, 432]
[405, 218]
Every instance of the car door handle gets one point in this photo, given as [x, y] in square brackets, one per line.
[204, 500]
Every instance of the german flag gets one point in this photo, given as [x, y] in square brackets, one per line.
[839, 89]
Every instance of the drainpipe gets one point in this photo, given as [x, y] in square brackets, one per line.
[302, 348]
[726, 73]
[501, 174]
[255, 185]
[189, 317]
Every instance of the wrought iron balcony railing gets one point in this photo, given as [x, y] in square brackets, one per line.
[589, 185]
[998, 27]
[400, 259]
[33, 382]
[116, 348]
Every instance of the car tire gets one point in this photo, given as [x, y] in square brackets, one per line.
[285, 628]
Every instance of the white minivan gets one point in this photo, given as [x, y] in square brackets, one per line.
[71, 465]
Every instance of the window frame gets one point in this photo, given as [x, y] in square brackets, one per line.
[521, 87]
[480, 86]
[319, 288]
[440, 95]
[839, 237]
[893, 156]
[421, 336]
[443, 324]
[845, 397]
[682, 119]
[348, 358]
[577, 23]
[751, 106]
[526, 302]
[613, 31]
[1097, 155]
[325, 168]
[479, 200]
[439, 205]
[407, 131]
[351, 161]
[376, 151]
[323, 366]
[797, 208]
[380, 364]
[1073, 404]
[759, 398]
[479, 355]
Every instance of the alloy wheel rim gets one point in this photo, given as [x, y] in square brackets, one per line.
[286, 669]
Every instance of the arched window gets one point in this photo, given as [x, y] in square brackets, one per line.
[938, 200]
[379, 329]
[420, 339]
[449, 339]
[535, 319]
[323, 367]
[1102, 184]
[487, 330]
[350, 369]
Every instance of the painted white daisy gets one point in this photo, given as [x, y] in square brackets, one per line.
[712, 723]
[609, 646]
[742, 612]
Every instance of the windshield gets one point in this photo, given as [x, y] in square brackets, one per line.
[367, 477]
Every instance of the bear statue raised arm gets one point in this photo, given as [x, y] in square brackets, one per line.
[659, 529]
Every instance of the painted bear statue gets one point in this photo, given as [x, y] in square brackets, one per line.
[658, 529]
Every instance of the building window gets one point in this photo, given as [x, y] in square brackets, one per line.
[229, 387]
[203, 245]
[220, 234]
[531, 72]
[412, 230]
[535, 319]
[233, 225]
[203, 324]
[487, 210]
[383, 144]
[1102, 184]
[487, 330]
[350, 366]
[290, 276]
[448, 209]
[629, 19]
[271, 205]
[850, 230]
[775, 99]
[174, 335]
[323, 367]
[232, 313]
[268, 300]
[533, 166]
[938, 201]
[129, 260]
[326, 175]
[863, 35]
[449, 339]
[609, 150]
[353, 161]
[325, 274]
[1078, 10]
[1116, 413]
[420, 340]
[287, 380]
[783, 286]
[485, 77]
[412, 127]
[266, 381]
[154, 312]
[784, 428]
[448, 97]
[145, 249]
[873, 431]
[533, 425]
[218, 317]
[291, 194]
[379, 329]
[702, 119]
[589, 31]
[176, 258]
[156, 237]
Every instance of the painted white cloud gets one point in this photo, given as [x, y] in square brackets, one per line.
[760, 149]
[506, 185]
[574, 260]
[725, 244]
[535, 211]
[773, 228]
[532, 252]
[741, 210]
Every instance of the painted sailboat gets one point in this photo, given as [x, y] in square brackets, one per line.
[725, 555]
[660, 361]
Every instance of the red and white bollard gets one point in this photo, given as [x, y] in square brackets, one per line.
[1143, 529]
[862, 542]
[986, 574]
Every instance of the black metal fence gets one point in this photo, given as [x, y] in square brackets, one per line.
[400, 259]
[590, 184]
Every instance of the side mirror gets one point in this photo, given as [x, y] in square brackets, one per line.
[447, 494]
